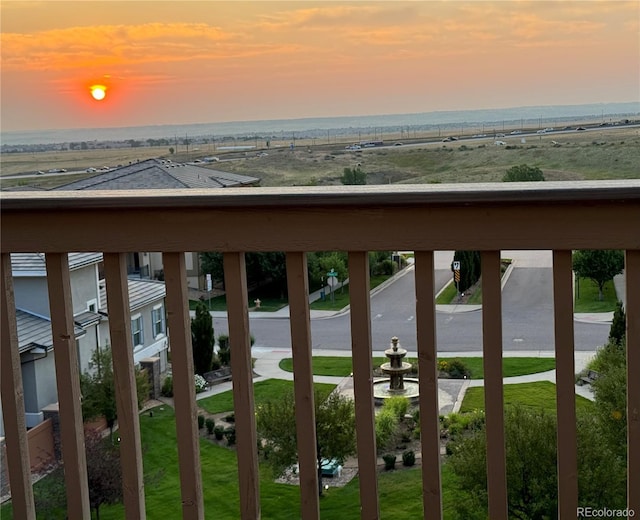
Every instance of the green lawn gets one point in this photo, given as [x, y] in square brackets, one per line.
[341, 296]
[340, 366]
[586, 296]
[262, 391]
[541, 394]
[447, 295]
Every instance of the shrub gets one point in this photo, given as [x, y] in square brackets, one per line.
[167, 387]
[230, 435]
[210, 425]
[231, 418]
[457, 369]
[386, 426]
[408, 458]
[389, 461]
[201, 383]
[398, 405]
[200, 421]
[218, 431]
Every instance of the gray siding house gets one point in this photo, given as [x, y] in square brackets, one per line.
[161, 174]
[91, 321]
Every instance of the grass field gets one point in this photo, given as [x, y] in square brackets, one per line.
[541, 394]
[340, 366]
[586, 296]
[607, 154]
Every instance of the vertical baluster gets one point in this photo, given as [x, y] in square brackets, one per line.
[565, 384]
[184, 393]
[115, 267]
[493, 392]
[632, 273]
[17, 447]
[68, 383]
[362, 382]
[428, 370]
[235, 281]
[298, 286]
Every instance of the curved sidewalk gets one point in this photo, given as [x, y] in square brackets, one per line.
[450, 391]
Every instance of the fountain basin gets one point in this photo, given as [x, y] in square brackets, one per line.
[382, 390]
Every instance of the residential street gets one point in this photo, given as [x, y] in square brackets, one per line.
[527, 310]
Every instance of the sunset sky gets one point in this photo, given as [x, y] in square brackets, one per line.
[178, 62]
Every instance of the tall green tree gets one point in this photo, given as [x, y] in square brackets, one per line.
[599, 265]
[470, 268]
[202, 339]
[335, 430]
[523, 173]
[261, 267]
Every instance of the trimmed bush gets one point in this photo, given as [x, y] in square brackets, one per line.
[200, 422]
[389, 461]
[210, 423]
[167, 387]
[408, 458]
[218, 431]
[230, 435]
[231, 418]
[398, 405]
[386, 426]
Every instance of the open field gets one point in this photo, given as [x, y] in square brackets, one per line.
[610, 153]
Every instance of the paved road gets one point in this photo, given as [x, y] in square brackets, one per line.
[527, 317]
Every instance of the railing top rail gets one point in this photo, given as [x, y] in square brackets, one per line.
[362, 196]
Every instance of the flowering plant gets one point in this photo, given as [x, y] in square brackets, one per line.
[201, 383]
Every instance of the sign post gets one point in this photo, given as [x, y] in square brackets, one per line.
[332, 280]
[456, 276]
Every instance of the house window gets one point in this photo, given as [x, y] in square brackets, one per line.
[157, 319]
[136, 331]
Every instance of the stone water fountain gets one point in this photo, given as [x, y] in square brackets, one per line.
[396, 384]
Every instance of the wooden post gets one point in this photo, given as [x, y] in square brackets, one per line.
[115, 266]
[565, 384]
[428, 384]
[13, 402]
[298, 285]
[235, 281]
[68, 383]
[184, 393]
[363, 383]
[493, 392]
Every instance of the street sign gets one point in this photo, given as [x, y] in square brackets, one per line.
[456, 266]
[332, 273]
[456, 276]
[332, 281]
[209, 283]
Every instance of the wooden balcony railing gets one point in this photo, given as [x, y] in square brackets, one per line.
[488, 217]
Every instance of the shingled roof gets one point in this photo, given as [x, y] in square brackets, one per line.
[33, 264]
[160, 174]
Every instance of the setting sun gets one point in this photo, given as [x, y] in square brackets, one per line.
[98, 92]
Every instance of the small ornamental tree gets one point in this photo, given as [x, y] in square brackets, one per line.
[202, 339]
[335, 430]
[523, 173]
[104, 474]
[599, 265]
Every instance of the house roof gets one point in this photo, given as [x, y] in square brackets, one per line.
[33, 264]
[141, 293]
[160, 174]
[35, 331]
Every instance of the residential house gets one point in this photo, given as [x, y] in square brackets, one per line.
[90, 314]
[161, 174]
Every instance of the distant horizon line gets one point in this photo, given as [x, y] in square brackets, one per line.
[436, 118]
[321, 118]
